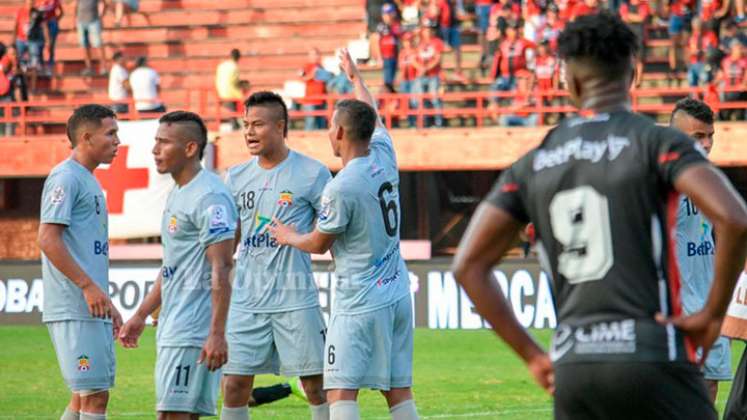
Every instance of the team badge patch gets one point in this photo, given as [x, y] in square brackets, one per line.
[172, 224]
[84, 363]
[218, 219]
[326, 210]
[286, 198]
[58, 195]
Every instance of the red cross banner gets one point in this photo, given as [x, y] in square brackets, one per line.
[735, 323]
[135, 192]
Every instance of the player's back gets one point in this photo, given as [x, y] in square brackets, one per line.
[72, 197]
[196, 216]
[600, 193]
[361, 206]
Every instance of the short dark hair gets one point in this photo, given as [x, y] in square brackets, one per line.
[603, 39]
[117, 55]
[269, 99]
[694, 108]
[235, 54]
[86, 114]
[141, 61]
[186, 117]
[359, 118]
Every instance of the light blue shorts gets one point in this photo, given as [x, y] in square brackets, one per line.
[85, 353]
[89, 34]
[183, 385]
[288, 343]
[370, 350]
[717, 366]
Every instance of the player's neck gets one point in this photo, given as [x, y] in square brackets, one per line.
[85, 161]
[186, 174]
[352, 152]
[273, 158]
[607, 97]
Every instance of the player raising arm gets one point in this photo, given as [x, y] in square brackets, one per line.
[604, 224]
[370, 338]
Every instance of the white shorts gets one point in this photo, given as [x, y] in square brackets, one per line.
[288, 343]
[85, 353]
[182, 384]
[370, 350]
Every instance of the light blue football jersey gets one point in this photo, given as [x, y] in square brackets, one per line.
[361, 206]
[72, 197]
[269, 277]
[197, 215]
[695, 250]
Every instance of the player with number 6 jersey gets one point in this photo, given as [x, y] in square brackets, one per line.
[370, 339]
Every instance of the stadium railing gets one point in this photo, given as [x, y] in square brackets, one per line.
[29, 117]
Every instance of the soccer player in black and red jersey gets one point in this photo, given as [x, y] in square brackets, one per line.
[602, 191]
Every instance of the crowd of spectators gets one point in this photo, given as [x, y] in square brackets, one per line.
[518, 38]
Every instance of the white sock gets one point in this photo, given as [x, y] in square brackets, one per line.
[234, 413]
[344, 410]
[92, 416]
[404, 411]
[70, 415]
[319, 412]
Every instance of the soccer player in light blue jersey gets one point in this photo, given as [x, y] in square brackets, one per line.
[370, 339]
[695, 242]
[193, 288]
[74, 241]
[275, 324]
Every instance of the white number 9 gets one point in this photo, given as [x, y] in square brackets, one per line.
[580, 221]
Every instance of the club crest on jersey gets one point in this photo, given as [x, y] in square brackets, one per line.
[286, 198]
[58, 195]
[172, 225]
[84, 363]
[218, 219]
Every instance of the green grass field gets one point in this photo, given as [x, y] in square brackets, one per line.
[458, 374]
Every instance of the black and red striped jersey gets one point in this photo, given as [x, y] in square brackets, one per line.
[599, 191]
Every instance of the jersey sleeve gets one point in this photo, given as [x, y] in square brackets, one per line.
[335, 212]
[382, 141]
[317, 189]
[215, 218]
[58, 198]
[672, 152]
[506, 194]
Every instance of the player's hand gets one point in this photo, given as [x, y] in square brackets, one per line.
[281, 232]
[131, 331]
[701, 327]
[347, 65]
[116, 321]
[215, 352]
[541, 368]
[99, 304]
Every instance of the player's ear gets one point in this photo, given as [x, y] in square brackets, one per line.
[192, 148]
[340, 133]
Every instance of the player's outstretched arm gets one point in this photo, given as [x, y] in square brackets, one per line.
[51, 243]
[489, 236]
[314, 242]
[133, 328]
[359, 85]
[215, 352]
[713, 194]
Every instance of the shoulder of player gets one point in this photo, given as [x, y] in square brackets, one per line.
[307, 163]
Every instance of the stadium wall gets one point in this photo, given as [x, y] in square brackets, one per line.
[438, 301]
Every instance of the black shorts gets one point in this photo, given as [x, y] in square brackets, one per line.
[632, 390]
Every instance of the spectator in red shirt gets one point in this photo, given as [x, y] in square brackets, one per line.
[636, 13]
[315, 86]
[389, 34]
[680, 15]
[52, 10]
[428, 64]
[545, 69]
[510, 57]
[565, 9]
[408, 57]
[700, 42]
[29, 38]
[500, 14]
[449, 13]
[522, 103]
[732, 78]
[552, 27]
[587, 7]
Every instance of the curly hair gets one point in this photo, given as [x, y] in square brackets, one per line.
[694, 108]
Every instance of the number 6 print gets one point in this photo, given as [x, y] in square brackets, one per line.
[580, 221]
